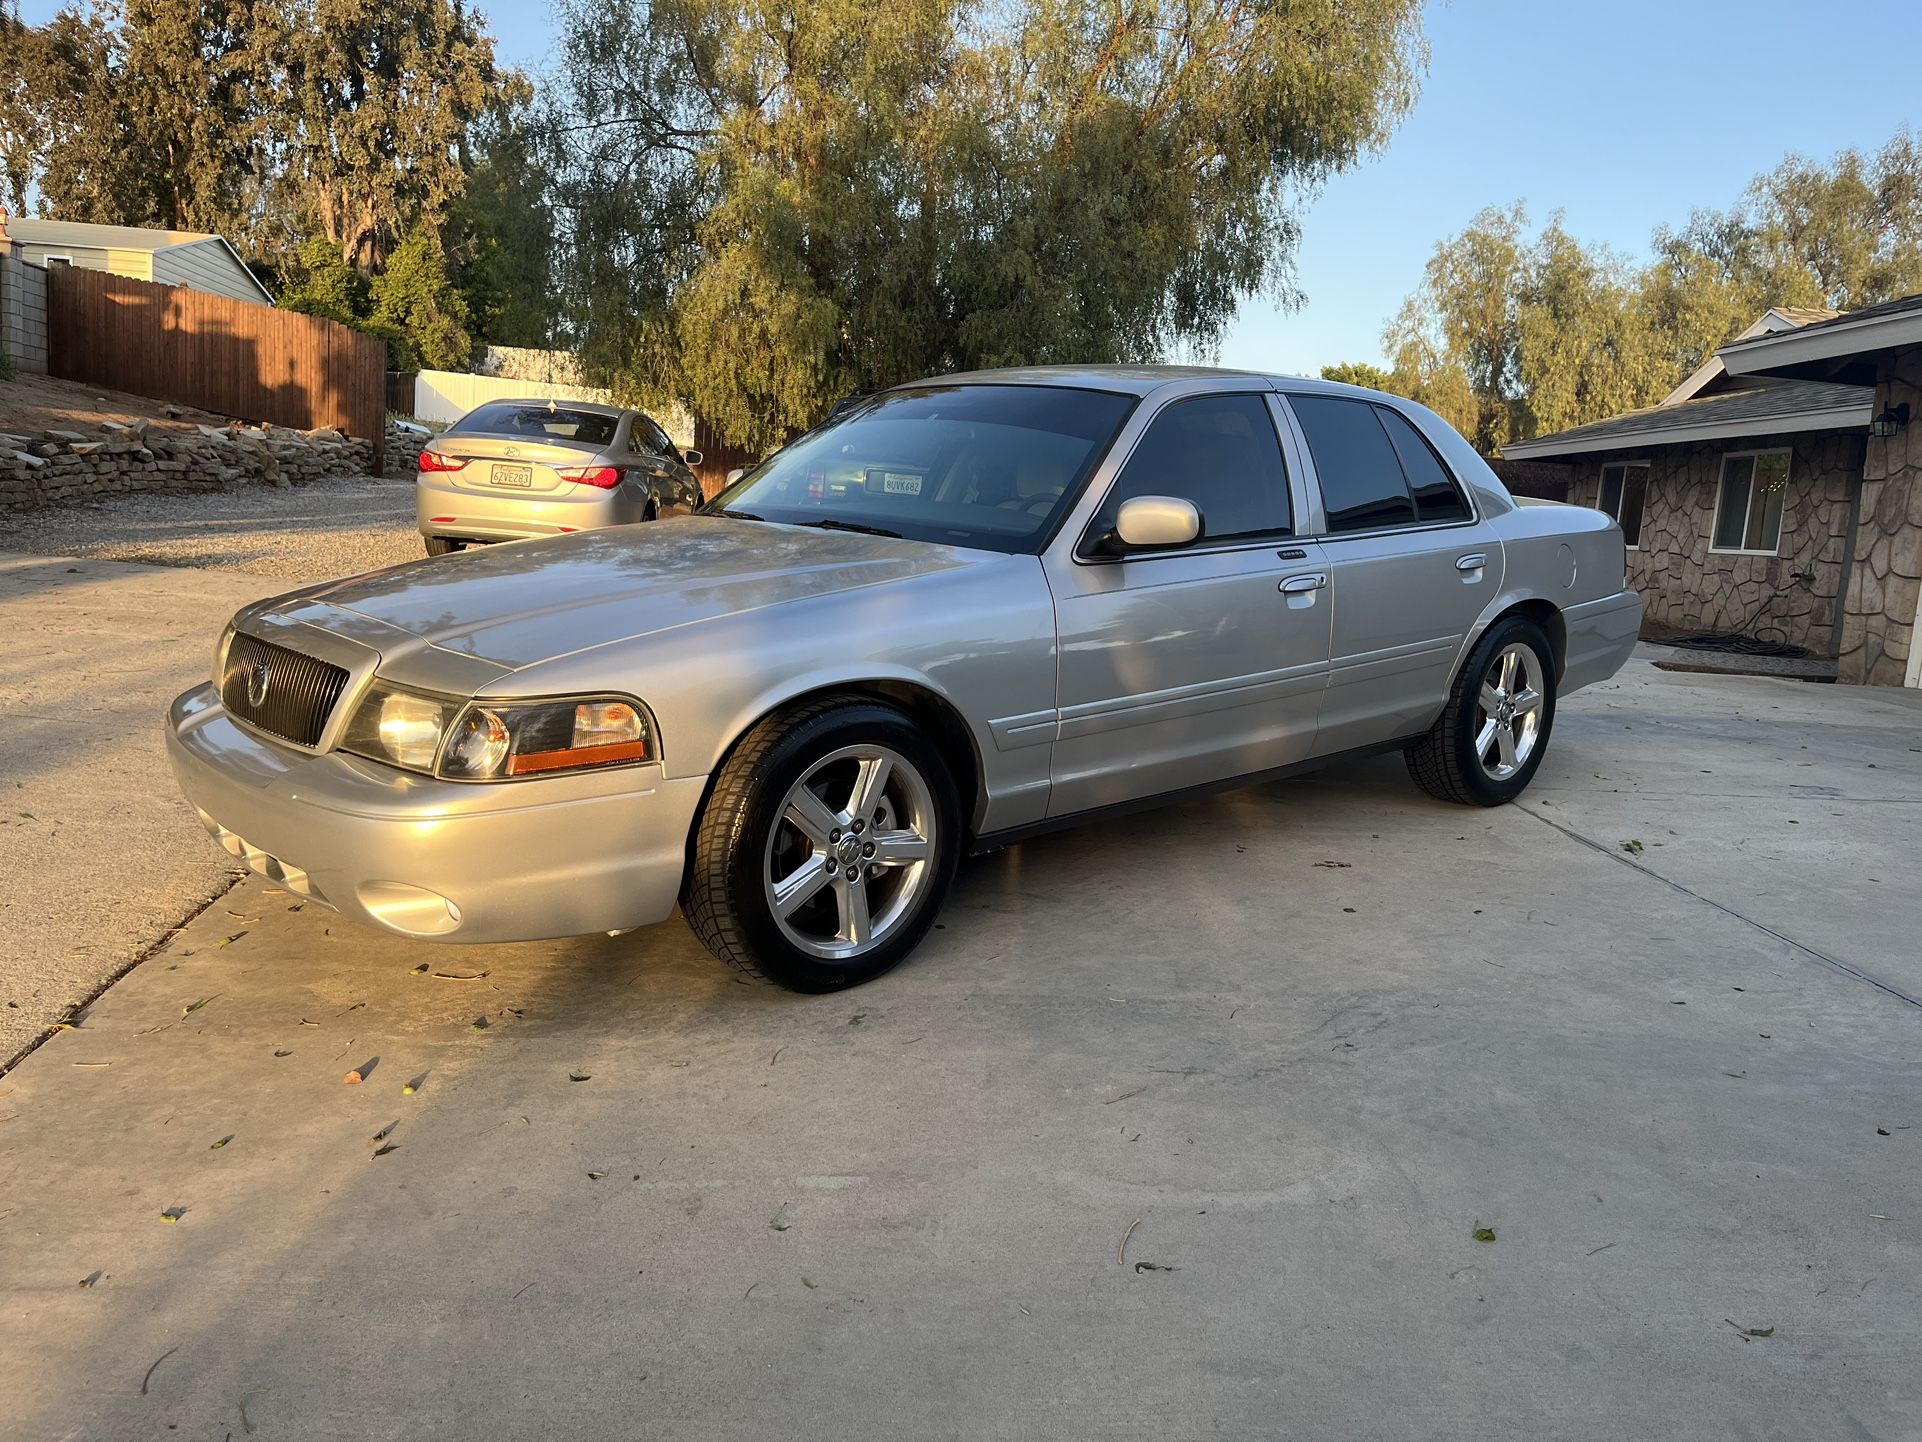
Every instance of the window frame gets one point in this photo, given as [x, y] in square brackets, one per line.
[1327, 536]
[1287, 443]
[1721, 484]
[1615, 515]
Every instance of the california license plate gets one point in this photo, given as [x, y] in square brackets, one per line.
[512, 475]
[900, 483]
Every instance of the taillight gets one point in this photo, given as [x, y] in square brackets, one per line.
[605, 477]
[435, 461]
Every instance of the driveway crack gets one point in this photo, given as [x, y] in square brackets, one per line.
[1623, 859]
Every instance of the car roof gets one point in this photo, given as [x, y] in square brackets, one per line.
[1135, 380]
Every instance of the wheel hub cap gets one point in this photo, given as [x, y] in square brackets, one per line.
[1509, 712]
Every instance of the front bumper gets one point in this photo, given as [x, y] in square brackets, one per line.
[466, 514]
[438, 860]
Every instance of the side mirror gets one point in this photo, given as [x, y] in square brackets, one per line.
[1153, 523]
[693, 458]
[734, 475]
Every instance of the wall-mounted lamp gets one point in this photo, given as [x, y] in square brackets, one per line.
[1892, 419]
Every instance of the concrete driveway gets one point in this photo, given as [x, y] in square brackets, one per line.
[1181, 1128]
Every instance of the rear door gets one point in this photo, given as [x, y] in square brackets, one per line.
[1186, 667]
[1411, 568]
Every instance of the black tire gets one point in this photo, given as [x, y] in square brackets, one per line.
[444, 546]
[725, 895]
[1444, 763]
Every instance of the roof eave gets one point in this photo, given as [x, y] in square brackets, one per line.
[1832, 341]
[1833, 418]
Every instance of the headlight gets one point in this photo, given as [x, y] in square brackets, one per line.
[496, 740]
[402, 728]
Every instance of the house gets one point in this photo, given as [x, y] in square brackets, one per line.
[171, 257]
[1777, 492]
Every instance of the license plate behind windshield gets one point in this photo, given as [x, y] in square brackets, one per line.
[512, 476]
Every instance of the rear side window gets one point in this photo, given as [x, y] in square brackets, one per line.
[1361, 478]
[1437, 497]
[1220, 452]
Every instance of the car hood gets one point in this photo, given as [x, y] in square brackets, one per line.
[531, 601]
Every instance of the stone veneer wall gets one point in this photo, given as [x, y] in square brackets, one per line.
[1686, 586]
[1878, 632]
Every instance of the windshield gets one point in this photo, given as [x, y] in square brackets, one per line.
[984, 466]
[558, 424]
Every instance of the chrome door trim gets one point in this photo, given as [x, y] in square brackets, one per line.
[1119, 712]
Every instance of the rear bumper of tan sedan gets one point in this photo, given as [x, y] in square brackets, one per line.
[464, 514]
[438, 860]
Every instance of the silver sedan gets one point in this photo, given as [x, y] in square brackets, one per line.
[961, 612]
[512, 469]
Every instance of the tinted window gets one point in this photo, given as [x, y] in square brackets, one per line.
[1220, 452]
[989, 466]
[1361, 480]
[1437, 498]
[539, 422]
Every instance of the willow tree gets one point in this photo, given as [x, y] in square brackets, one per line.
[770, 204]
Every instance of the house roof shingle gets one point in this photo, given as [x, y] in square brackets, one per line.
[1756, 410]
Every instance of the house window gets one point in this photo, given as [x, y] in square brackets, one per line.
[1624, 488]
[1748, 505]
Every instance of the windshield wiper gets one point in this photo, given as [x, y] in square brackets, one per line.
[736, 515]
[854, 526]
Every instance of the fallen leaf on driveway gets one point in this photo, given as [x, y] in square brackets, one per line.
[595, 1176]
[1124, 1096]
[422, 969]
[173, 1214]
[382, 1151]
[90, 1279]
[1484, 1234]
[352, 1079]
[580, 1076]
[221, 1143]
[479, 1023]
[228, 940]
[1633, 848]
[193, 1006]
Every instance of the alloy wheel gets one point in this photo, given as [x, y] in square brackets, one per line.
[851, 853]
[1508, 719]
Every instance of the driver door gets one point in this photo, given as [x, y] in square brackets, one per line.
[1194, 665]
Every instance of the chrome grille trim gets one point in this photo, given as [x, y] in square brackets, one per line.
[300, 692]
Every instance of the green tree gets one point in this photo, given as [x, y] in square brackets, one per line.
[501, 235]
[141, 112]
[1359, 373]
[380, 96]
[320, 283]
[767, 209]
[416, 307]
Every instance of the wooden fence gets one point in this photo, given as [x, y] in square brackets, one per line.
[227, 356]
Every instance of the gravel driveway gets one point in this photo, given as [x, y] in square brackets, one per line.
[310, 533]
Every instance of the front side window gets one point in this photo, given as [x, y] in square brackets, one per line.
[1362, 484]
[1624, 489]
[1748, 505]
[983, 466]
[1221, 453]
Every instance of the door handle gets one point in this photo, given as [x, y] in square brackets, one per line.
[1297, 585]
[1473, 562]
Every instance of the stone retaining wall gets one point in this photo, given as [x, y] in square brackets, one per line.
[64, 467]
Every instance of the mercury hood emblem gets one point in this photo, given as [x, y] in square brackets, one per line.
[256, 677]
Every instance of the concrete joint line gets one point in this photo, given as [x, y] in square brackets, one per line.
[1834, 963]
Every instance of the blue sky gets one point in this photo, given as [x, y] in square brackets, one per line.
[1624, 115]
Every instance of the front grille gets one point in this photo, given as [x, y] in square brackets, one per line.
[282, 692]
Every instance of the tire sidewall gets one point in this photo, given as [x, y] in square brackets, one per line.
[784, 764]
[1487, 790]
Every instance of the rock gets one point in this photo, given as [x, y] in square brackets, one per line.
[68, 436]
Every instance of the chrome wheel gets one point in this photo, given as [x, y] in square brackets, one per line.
[852, 852]
[1508, 717]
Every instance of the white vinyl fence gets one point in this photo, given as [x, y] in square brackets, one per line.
[443, 397]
